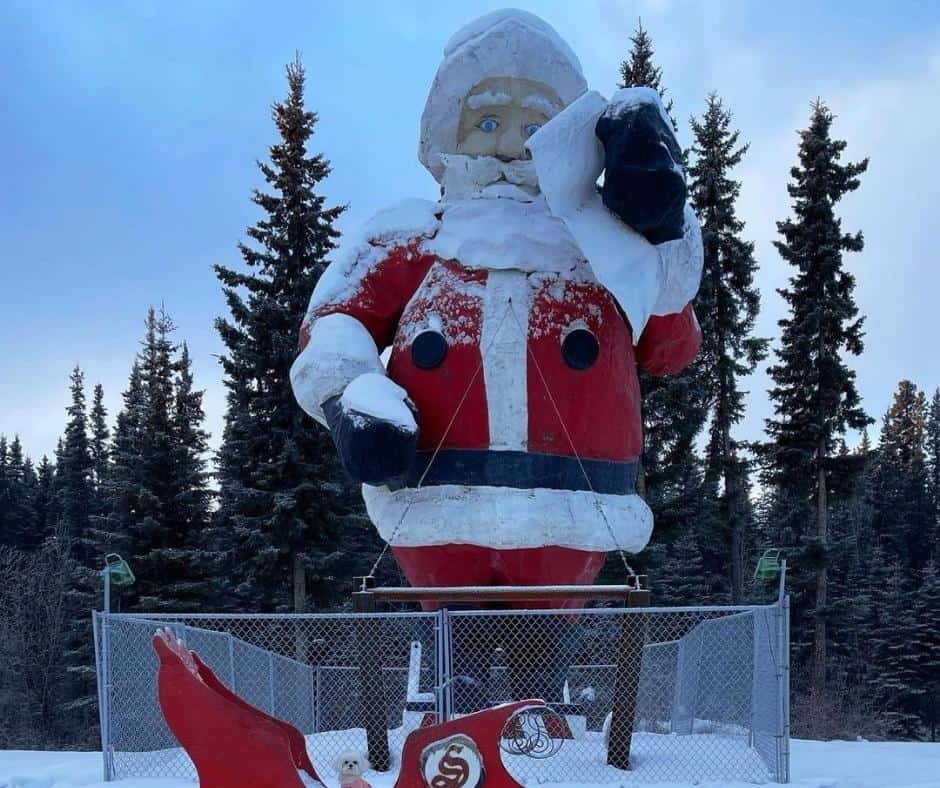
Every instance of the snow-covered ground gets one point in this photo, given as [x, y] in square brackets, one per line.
[813, 765]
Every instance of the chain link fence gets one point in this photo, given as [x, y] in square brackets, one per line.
[688, 694]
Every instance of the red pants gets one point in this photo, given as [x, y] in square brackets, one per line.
[470, 565]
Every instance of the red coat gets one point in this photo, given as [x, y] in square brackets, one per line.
[523, 372]
[599, 405]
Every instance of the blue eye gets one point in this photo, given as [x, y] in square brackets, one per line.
[532, 128]
[488, 125]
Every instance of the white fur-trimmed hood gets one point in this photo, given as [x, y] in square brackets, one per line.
[507, 43]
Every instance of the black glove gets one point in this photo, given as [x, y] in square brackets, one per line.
[371, 449]
[644, 181]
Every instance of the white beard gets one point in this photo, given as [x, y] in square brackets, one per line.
[468, 177]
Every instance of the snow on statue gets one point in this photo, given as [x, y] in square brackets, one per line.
[500, 444]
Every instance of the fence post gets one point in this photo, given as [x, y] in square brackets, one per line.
[271, 684]
[447, 666]
[231, 662]
[632, 639]
[371, 681]
[106, 693]
[97, 621]
[316, 700]
[785, 685]
[758, 617]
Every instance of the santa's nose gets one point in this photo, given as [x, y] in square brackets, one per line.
[511, 145]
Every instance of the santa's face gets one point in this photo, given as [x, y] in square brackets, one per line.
[501, 113]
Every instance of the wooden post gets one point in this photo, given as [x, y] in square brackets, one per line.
[371, 680]
[632, 639]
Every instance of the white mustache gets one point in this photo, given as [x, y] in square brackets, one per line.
[465, 175]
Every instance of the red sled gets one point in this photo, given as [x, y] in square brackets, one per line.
[462, 752]
[231, 743]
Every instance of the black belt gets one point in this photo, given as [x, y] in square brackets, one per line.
[521, 470]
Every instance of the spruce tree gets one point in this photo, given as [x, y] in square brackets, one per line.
[6, 531]
[74, 486]
[851, 607]
[74, 482]
[43, 503]
[18, 485]
[639, 70]
[814, 393]
[903, 516]
[927, 646]
[150, 532]
[896, 684]
[99, 436]
[682, 577]
[933, 467]
[726, 306]
[188, 565]
[123, 486]
[674, 410]
[157, 489]
[29, 480]
[280, 484]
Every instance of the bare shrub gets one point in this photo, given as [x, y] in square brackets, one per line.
[843, 712]
[33, 622]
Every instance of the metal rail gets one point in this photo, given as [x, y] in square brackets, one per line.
[505, 593]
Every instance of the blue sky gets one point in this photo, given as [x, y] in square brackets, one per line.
[129, 133]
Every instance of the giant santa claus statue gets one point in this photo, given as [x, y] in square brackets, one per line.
[499, 443]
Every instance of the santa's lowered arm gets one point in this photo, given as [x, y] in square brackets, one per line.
[643, 242]
[338, 377]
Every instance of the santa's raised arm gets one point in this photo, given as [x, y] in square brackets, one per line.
[500, 444]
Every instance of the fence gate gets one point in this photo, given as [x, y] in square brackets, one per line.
[711, 703]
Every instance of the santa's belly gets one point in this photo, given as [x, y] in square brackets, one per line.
[515, 361]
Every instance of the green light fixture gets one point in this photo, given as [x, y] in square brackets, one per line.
[768, 566]
[118, 570]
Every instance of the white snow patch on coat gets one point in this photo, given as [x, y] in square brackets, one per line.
[627, 98]
[437, 305]
[375, 395]
[402, 222]
[339, 351]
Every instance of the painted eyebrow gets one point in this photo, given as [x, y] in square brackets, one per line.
[488, 99]
[541, 104]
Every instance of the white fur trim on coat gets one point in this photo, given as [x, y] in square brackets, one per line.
[340, 349]
[682, 262]
[645, 279]
[505, 518]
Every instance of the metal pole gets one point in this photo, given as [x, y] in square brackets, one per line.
[447, 661]
[371, 680]
[633, 637]
[757, 618]
[439, 667]
[782, 611]
[105, 692]
[786, 688]
[316, 703]
[231, 662]
[96, 624]
[271, 684]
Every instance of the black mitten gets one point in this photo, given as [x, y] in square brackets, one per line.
[372, 450]
[644, 181]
